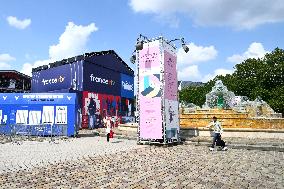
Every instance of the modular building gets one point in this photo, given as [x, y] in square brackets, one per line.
[39, 114]
[103, 82]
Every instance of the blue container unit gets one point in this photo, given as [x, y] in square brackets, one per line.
[101, 80]
[41, 114]
[110, 83]
[74, 74]
[101, 76]
[63, 78]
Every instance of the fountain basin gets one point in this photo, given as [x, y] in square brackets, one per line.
[229, 119]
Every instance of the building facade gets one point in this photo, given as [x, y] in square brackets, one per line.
[12, 81]
[104, 83]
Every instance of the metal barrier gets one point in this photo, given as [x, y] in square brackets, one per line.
[4, 138]
[19, 133]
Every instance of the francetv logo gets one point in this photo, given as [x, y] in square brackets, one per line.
[60, 79]
[127, 86]
[101, 80]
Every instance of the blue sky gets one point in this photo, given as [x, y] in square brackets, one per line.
[219, 34]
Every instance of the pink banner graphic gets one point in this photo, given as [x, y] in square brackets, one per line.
[149, 58]
[150, 118]
[170, 76]
[150, 93]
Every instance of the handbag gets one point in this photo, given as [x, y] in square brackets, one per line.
[111, 134]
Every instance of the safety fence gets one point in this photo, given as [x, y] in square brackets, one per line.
[19, 133]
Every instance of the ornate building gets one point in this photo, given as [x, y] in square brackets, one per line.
[12, 81]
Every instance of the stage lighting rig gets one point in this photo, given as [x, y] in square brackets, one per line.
[184, 46]
[140, 41]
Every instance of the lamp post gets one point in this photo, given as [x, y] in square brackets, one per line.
[157, 89]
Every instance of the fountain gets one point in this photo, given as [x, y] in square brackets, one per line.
[233, 111]
[219, 97]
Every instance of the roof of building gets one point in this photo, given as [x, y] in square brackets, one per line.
[15, 72]
[108, 59]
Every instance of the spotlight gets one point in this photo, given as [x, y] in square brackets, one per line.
[57, 63]
[139, 45]
[70, 60]
[52, 65]
[133, 59]
[185, 48]
[44, 67]
[64, 61]
[79, 57]
[140, 41]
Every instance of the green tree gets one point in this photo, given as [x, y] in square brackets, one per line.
[252, 78]
[193, 94]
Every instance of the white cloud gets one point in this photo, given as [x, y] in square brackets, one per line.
[195, 54]
[72, 42]
[190, 73]
[4, 66]
[27, 67]
[245, 14]
[6, 58]
[4, 61]
[219, 71]
[255, 50]
[187, 62]
[19, 24]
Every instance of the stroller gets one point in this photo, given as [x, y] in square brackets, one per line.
[221, 143]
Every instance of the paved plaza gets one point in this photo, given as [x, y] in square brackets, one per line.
[91, 162]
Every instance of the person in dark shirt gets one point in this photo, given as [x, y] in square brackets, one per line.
[92, 112]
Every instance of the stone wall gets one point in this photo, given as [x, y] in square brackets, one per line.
[229, 119]
[234, 133]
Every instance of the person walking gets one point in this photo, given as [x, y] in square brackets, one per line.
[79, 121]
[107, 123]
[92, 112]
[218, 130]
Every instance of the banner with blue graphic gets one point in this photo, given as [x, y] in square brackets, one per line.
[101, 80]
[127, 86]
[62, 77]
[34, 113]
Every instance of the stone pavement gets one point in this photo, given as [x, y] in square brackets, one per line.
[243, 143]
[123, 164]
[31, 154]
[269, 144]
